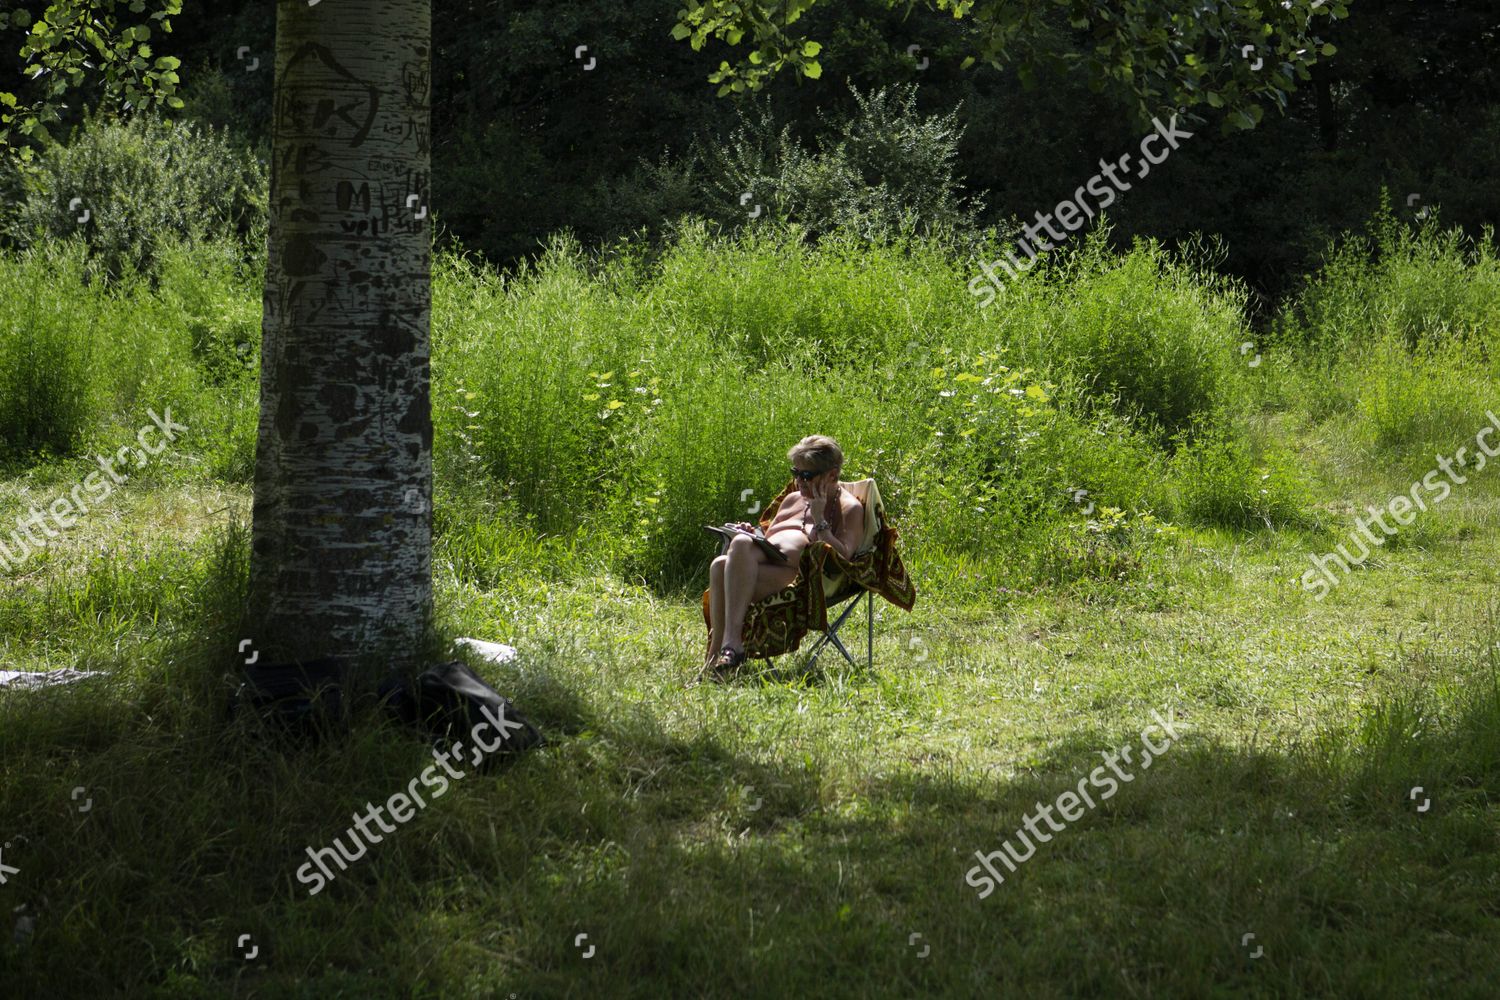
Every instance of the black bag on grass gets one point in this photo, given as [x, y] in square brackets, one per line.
[303, 700]
[448, 701]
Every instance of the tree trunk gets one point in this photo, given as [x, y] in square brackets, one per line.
[342, 532]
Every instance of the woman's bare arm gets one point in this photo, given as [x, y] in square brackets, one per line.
[789, 515]
[852, 531]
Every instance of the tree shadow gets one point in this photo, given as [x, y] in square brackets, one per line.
[696, 867]
[1215, 869]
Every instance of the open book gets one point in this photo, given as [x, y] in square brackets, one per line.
[728, 531]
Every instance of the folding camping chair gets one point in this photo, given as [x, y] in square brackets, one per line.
[776, 624]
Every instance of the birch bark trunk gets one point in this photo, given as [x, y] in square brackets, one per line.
[341, 532]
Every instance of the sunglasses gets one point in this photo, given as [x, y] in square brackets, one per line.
[803, 475]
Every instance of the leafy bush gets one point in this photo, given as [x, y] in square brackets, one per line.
[616, 402]
[81, 363]
[1107, 546]
[771, 297]
[1420, 285]
[1144, 332]
[520, 390]
[207, 287]
[1419, 404]
[50, 394]
[881, 171]
[1221, 483]
[1395, 337]
[629, 402]
[983, 466]
[142, 183]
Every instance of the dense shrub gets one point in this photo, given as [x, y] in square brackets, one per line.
[1420, 284]
[530, 380]
[50, 392]
[618, 401]
[1418, 404]
[1109, 547]
[1221, 482]
[1153, 335]
[143, 183]
[881, 170]
[213, 291]
[773, 298]
[638, 401]
[81, 364]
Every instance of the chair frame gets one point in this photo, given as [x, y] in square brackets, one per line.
[831, 633]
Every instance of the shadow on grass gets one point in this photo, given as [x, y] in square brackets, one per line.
[696, 870]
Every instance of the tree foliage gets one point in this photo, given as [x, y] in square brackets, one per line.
[1231, 54]
[74, 43]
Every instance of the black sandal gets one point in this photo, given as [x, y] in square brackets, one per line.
[727, 662]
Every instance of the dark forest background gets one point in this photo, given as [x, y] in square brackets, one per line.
[526, 142]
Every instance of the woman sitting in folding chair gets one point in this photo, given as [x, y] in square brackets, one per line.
[820, 511]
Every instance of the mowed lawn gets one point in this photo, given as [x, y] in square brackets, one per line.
[792, 834]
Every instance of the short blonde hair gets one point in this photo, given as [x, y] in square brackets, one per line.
[817, 451]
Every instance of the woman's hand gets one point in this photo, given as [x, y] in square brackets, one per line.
[817, 499]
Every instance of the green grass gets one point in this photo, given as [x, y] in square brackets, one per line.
[786, 834]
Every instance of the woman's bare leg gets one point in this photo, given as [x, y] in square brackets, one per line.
[748, 577]
[716, 606]
[742, 566]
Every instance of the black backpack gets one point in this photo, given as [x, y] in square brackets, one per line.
[450, 702]
[305, 701]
